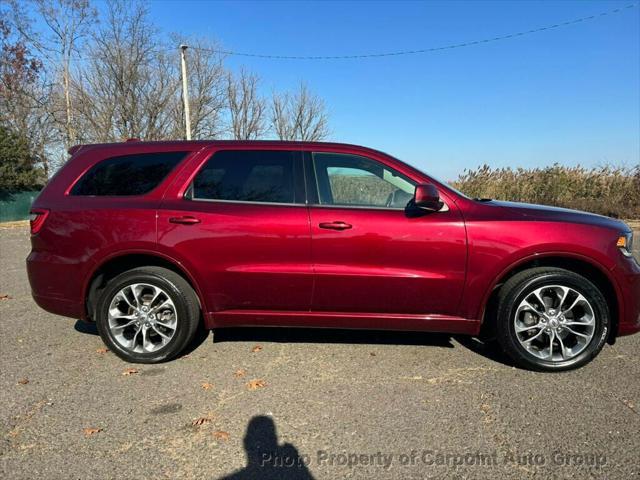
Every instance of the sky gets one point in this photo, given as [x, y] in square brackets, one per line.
[569, 95]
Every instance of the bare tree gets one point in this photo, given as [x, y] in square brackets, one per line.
[68, 22]
[300, 116]
[130, 86]
[24, 95]
[247, 109]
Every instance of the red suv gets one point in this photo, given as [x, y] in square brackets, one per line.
[150, 240]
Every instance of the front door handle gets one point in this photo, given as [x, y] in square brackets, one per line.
[186, 220]
[335, 225]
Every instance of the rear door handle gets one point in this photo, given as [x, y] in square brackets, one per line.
[186, 220]
[335, 225]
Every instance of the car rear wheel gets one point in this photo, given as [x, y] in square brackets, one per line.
[551, 319]
[147, 315]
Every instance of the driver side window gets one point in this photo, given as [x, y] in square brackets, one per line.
[352, 180]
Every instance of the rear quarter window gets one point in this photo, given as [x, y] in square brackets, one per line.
[265, 176]
[128, 174]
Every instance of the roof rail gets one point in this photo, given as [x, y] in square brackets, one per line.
[74, 149]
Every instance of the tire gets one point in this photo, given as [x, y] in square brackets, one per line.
[566, 313]
[160, 332]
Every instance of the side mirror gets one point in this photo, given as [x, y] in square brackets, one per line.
[427, 198]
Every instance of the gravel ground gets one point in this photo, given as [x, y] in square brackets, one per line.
[332, 404]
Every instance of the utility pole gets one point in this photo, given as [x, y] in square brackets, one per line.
[185, 91]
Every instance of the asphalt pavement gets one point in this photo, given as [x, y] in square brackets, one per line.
[299, 404]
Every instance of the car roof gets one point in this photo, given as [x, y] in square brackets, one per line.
[194, 144]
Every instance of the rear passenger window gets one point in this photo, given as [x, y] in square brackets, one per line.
[127, 174]
[250, 176]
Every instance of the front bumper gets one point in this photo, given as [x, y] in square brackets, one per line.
[628, 277]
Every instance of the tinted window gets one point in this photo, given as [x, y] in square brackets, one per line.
[128, 174]
[359, 181]
[250, 176]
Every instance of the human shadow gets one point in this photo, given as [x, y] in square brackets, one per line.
[266, 459]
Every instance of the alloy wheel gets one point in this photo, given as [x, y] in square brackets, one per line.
[554, 323]
[142, 318]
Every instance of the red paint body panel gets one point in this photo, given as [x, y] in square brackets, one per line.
[245, 256]
[272, 264]
[388, 263]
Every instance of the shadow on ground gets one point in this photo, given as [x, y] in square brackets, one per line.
[266, 459]
[488, 350]
[89, 328]
[330, 335]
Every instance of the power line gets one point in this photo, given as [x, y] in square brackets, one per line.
[422, 50]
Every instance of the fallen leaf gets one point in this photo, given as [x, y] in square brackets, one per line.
[200, 421]
[5, 297]
[23, 381]
[241, 372]
[256, 383]
[220, 435]
[102, 350]
[207, 385]
[256, 349]
[130, 371]
[90, 431]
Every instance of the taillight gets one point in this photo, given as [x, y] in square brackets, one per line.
[37, 218]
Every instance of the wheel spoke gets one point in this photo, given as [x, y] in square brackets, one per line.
[578, 300]
[122, 294]
[537, 335]
[132, 343]
[156, 293]
[166, 337]
[146, 343]
[578, 333]
[551, 337]
[137, 294]
[526, 329]
[125, 325]
[171, 327]
[541, 300]
[588, 323]
[565, 292]
[162, 305]
[562, 351]
[525, 305]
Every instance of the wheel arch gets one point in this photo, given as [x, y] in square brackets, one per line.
[594, 272]
[116, 264]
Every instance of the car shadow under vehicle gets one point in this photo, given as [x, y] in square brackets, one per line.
[488, 350]
[330, 335]
[200, 337]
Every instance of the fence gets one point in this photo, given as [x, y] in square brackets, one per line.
[15, 206]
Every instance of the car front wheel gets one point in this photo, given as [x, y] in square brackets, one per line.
[551, 319]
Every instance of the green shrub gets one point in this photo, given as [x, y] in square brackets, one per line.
[611, 191]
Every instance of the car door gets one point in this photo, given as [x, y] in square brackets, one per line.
[240, 223]
[370, 254]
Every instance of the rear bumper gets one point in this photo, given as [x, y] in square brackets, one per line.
[60, 306]
[629, 281]
[55, 285]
